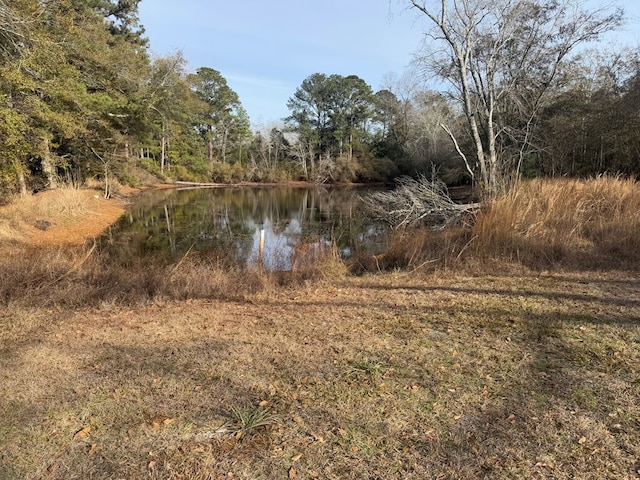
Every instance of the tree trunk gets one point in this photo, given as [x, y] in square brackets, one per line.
[22, 184]
[48, 168]
[224, 145]
[163, 149]
[210, 145]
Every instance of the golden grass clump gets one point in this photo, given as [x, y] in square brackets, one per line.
[62, 202]
[25, 218]
[548, 221]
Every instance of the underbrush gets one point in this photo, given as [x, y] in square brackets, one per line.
[541, 224]
[81, 276]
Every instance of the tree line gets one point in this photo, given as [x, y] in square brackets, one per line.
[82, 98]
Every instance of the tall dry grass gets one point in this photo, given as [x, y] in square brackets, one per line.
[581, 223]
[66, 202]
[539, 224]
[83, 276]
[19, 216]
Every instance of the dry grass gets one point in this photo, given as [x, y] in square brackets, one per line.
[385, 376]
[542, 224]
[80, 276]
[66, 216]
[592, 223]
[64, 202]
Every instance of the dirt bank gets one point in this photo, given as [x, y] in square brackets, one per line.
[60, 217]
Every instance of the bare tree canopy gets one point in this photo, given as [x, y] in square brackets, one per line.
[501, 57]
[13, 32]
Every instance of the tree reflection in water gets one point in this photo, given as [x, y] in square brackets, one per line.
[224, 224]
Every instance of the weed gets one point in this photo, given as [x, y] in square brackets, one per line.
[249, 421]
[372, 369]
[545, 222]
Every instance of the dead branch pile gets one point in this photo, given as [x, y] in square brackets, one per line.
[418, 202]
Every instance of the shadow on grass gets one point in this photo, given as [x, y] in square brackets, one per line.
[570, 410]
[148, 409]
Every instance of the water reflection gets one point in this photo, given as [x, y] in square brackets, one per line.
[225, 225]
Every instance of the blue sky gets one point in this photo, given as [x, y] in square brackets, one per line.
[265, 49]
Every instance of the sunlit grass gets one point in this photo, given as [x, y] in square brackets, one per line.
[385, 375]
[544, 222]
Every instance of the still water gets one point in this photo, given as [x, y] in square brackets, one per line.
[226, 225]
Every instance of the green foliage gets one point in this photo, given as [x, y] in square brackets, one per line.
[227, 173]
[331, 111]
[222, 122]
[99, 106]
[248, 421]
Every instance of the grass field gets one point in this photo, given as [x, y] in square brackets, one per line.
[511, 364]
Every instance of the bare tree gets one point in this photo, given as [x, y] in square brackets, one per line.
[499, 52]
[301, 151]
[14, 35]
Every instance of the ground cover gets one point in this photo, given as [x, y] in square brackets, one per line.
[379, 376]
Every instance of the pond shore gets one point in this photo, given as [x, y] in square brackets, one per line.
[63, 216]
[74, 216]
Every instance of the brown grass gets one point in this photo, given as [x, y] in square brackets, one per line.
[542, 224]
[66, 216]
[590, 223]
[385, 376]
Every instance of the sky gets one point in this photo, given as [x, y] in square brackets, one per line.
[266, 48]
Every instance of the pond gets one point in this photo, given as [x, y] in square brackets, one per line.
[244, 226]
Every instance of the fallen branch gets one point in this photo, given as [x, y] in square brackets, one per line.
[418, 202]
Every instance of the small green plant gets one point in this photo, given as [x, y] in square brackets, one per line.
[248, 421]
[371, 368]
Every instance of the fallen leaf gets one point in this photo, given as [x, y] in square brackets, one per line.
[263, 403]
[82, 433]
[297, 457]
[92, 450]
[582, 440]
[292, 472]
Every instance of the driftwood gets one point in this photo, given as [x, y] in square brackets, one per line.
[418, 202]
[199, 184]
